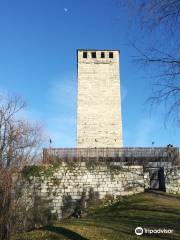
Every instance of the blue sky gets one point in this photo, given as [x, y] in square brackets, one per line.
[38, 42]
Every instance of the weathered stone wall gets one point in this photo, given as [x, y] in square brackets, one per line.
[69, 185]
[99, 121]
[172, 179]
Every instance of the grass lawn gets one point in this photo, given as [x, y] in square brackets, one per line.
[150, 210]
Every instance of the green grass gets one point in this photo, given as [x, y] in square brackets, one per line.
[151, 210]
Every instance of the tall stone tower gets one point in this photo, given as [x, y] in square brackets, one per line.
[99, 121]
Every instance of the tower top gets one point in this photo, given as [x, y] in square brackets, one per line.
[97, 55]
[98, 50]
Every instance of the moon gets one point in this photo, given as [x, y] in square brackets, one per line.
[65, 9]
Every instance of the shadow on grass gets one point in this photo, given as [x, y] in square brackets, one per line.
[66, 232]
[150, 210]
[163, 194]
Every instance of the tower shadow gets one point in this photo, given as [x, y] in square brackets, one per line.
[66, 232]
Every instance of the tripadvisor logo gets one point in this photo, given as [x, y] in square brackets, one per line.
[139, 231]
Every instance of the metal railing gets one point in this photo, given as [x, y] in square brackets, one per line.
[126, 155]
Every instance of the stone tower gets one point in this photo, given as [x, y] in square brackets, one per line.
[99, 121]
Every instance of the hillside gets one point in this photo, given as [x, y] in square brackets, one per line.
[151, 210]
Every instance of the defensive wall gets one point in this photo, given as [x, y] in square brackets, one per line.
[67, 184]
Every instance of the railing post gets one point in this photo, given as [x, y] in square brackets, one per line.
[44, 155]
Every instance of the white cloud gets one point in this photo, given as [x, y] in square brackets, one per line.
[61, 125]
[143, 133]
[63, 92]
[124, 93]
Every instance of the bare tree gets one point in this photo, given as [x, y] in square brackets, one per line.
[19, 142]
[18, 138]
[161, 54]
[5, 202]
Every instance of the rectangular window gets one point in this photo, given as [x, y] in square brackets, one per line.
[110, 54]
[102, 55]
[93, 54]
[84, 54]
